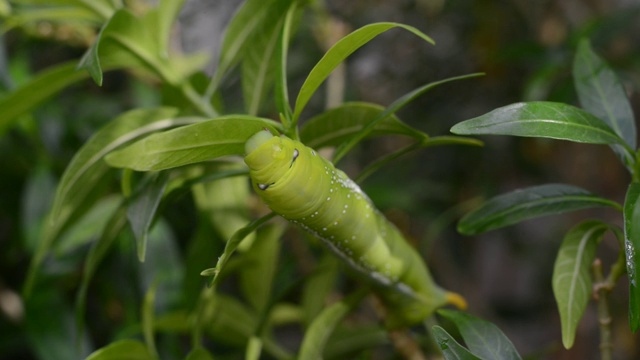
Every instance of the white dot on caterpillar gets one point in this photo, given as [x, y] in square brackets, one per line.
[328, 198]
[344, 211]
[346, 206]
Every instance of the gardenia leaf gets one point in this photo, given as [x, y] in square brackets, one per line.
[204, 141]
[572, 275]
[524, 204]
[122, 349]
[337, 53]
[541, 119]
[631, 247]
[483, 338]
[450, 348]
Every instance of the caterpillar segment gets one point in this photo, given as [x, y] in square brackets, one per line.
[307, 190]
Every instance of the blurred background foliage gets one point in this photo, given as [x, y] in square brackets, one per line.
[524, 47]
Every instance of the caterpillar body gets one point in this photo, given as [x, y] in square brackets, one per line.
[306, 189]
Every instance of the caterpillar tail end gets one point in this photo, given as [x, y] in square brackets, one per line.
[456, 300]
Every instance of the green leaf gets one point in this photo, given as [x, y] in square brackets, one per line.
[318, 286]
[254, 348]
[631, 246]
[324, 324]
[483, 338]
[340, 51]
[261, 262]
[227, 319]
[601, 93]
[233, 243]
[148, 318]
[524, 204]
[391, 109]
[450, 348]
[28, 96]
[142, 209]
[98, 251]
[541, 119]
[122, 350]
[168, 11]
[572, 275]
[335, 126]
[78, 187]
[259, 60]
[204, 141]
[282, 89]
[199, 353]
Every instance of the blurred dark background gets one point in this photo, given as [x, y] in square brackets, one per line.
[526, 50]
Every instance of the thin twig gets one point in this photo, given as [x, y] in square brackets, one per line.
[601, 291]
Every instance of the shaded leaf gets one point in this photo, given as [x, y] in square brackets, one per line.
[79, 186]
[336, 125]
[30, 95]
[529, 203]
[148, 318]
[541, 119]
[572, 275]
[483, 338]
[391, 109]
[204, 141]
[340, 51]
[450, 348]
[122, 350]
[318, 286]
[199, 353]
[631, 246]
[142, 209]
[324, 324]
[601, 93]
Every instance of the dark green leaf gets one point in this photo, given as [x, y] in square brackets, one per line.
[148, 318]
[199, 353]
[520, 205]
[601, 93]
[334, 126]
[483, 338]
[79, 185]
[337, 53]
[450, 348]
[393, 108]
[572, 275]
[204, 141]
[541, 119]
[319, 286]
[324, 324]
[142, 209]
[631, 246]
[28, 96]
[122, 350]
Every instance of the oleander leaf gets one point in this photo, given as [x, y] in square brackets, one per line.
[631, 246]
[451, 349]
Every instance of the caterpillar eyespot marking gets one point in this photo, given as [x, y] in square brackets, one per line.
[318, 197]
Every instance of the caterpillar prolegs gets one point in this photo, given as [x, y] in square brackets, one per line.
[306, 189]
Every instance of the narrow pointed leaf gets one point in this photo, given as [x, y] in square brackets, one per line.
[335, 126]
[204, 141]
[122, 349]
[631, 248]
[528, 203]
[451, 349]
[324, 324]
[281, 88]
[541, 119]
[79, 186]
[142, 210]
[483, 338]
[601, 93]
[340, 51]
[41, 87]
[391, 109]
[168, 11]
[572, 275]
[148, 318]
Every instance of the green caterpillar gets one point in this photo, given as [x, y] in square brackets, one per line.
[306, 189]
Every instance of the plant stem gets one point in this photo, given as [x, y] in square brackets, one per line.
[601, 290]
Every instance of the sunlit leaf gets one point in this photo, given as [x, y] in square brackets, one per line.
[204, 141]
[541, 119]
[281, 88]
[451, 349]
[122, 349]
[631, 246]
[340, 51]
[483, 338]
[529, 203]
[572, 275]
[324, 324]
[601, 93]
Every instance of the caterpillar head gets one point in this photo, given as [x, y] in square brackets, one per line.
[269, 157]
